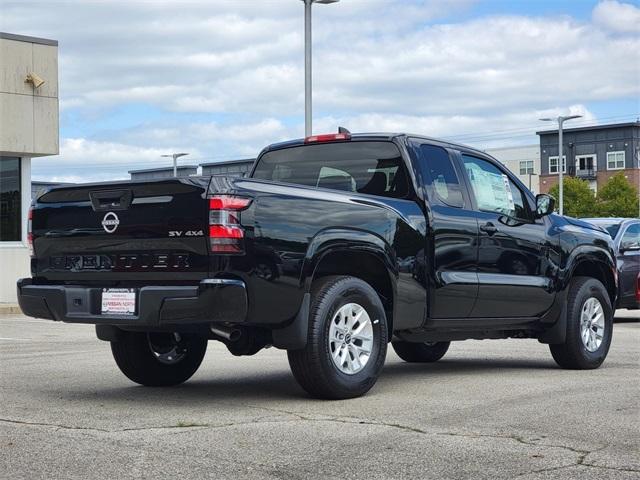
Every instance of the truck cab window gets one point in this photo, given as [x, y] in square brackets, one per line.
[444, 181]
[493, 189]
[336, 179]
[374, 168]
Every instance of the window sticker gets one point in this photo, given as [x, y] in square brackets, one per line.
[493, 191]
[507, 189]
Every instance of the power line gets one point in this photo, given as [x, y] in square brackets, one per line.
[499, 133]
[477, 137]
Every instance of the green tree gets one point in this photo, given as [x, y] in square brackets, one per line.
[618, 198]
[579, 200]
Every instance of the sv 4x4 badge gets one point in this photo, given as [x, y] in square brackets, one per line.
[188, 233]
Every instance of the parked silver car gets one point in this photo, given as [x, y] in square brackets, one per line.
[626, 236]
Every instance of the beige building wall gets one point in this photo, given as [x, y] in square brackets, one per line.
[28, 115]
[515, 158]
[28, 128]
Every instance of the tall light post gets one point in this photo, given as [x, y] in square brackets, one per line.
[560, 121]
[307, 63]
[532, 175]
[175, 157]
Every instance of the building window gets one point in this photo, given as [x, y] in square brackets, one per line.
[10, 200]
[615, 160]
[586, 166]
[553, 164]
[526, 167]
[586, 162]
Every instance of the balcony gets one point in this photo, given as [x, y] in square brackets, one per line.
[585, 173]
[589, 173]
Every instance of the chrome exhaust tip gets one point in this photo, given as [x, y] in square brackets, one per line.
[231, 334]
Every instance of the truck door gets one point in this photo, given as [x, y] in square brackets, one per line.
[451, 251]
[513, 270]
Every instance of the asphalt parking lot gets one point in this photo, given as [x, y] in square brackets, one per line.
[490, 409]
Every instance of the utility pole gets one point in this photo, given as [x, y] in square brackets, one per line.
[561, 164]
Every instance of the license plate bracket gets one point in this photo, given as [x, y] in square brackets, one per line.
[118, 301]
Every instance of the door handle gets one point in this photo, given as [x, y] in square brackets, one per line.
[489, 228]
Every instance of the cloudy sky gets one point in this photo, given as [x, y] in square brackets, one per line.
[222, 78]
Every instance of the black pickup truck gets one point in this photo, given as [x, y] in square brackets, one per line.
[334, 246]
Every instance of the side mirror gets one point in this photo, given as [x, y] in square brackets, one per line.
[544, 204]
[629, 246]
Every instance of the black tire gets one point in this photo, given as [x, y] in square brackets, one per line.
[135, 357]
[312, 366]
[573, 353]
[421, 352]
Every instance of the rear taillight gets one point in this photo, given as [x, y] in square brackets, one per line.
[328, 137]
[30, 232]
[226, 234]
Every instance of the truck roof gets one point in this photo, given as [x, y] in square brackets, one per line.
[379, 136]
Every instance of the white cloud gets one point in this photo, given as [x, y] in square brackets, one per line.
[617, 16]
[230, 73]
[375, 56]
[83, 160]
[89, 161]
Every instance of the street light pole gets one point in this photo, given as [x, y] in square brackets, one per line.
[308, 112]
[308, 118]
[175, 157]
[531, 175]
[561, 121]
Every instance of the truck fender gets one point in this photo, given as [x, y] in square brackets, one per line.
[601, 263]
[354, 240]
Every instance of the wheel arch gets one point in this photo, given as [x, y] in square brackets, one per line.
[599, 268]
[363, 255]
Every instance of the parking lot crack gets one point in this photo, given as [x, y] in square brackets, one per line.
[349, 420]
[52, 425]
[581, 454]
[178, 426]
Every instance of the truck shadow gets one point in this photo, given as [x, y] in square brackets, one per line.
[281, 385]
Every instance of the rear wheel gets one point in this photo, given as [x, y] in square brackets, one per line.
[589, 326]
[158, 358]
[347, 340]
[424, 352]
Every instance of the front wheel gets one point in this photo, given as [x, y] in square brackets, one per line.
[159, 359]
[347, 340]
[589, 326]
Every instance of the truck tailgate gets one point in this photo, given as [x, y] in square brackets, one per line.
[122, 232]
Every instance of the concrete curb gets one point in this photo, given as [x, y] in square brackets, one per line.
[9, 309]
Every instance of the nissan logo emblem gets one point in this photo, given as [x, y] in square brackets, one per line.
[110, 222]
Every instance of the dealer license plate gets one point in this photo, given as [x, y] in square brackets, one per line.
[119, 301]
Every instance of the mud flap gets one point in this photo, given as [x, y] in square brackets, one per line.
[557, 333]
[294, 336]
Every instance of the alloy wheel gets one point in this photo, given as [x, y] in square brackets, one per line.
[351, 338]
[592, 324]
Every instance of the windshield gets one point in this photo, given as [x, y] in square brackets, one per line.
[375, 168]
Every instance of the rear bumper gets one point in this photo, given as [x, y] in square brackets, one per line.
[212, 300]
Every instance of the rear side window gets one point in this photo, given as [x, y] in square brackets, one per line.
[493, 189]
[441, 175]
[632, 234]
[375, 168]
